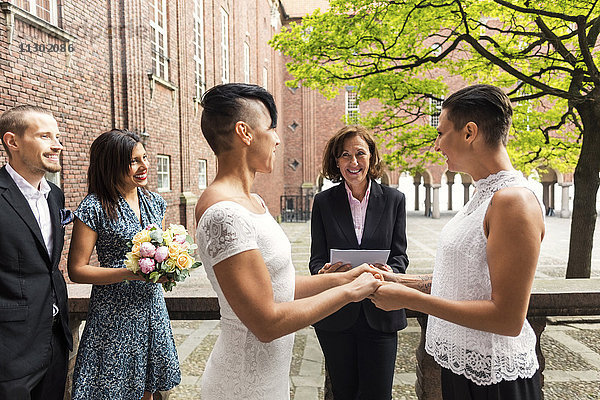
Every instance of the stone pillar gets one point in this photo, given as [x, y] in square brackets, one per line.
[429, 382]
[74, 324]
[308, 189]
[538, 324]
[327, 389]
[417, 184]
[565, 212]
[305, 204]
[436, 201]
[466, 186]
[546, 196]
[551, 211]
[187, 205]
[427, 199]
[450, 195]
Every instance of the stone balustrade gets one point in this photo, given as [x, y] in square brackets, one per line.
[550, 297]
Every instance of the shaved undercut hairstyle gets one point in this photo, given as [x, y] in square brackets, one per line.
[487, 106]
[225, 105]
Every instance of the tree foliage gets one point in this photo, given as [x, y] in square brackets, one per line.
[401, 52]
[404, 52]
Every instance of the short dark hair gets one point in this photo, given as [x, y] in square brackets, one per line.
[335, 146]
[110, 158]
[225, 105]
[15, 121]
[487, 106]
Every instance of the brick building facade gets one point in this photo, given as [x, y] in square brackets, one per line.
[140, 65]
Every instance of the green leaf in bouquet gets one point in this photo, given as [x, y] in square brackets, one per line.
[168, 286]
[175, 275]
[154, 276]
[160, 267]
[196, 265]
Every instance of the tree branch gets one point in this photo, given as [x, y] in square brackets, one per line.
[592, 35]
[585, 50]
[553, 39]
[516, 73]
[535, 11]
[417, 63]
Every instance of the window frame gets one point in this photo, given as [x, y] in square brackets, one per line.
[246, 62]
[202, 174]
[161, 174]
[224, 46]
[54, 177]
[33, 5]
[352, 106]
[159, 60]
[265, 78]
[199, 59]
[436, 109]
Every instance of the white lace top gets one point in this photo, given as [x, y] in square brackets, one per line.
[240, 366]
[461, 272]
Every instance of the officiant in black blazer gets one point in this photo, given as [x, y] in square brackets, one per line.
[359, 341]
[34, 330]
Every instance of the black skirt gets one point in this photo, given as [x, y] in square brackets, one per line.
[458, 387]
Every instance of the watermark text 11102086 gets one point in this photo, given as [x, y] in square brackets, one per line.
[45, 48]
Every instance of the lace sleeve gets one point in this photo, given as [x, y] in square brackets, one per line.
[225, 231]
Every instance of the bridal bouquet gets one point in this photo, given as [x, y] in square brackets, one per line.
[155, 253]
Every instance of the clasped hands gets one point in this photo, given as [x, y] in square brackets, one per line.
[387, 292]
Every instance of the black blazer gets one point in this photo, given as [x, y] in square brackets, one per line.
[27, 276]
[385, 228]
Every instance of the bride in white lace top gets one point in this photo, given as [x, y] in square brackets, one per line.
[478, 295]
[247, 256]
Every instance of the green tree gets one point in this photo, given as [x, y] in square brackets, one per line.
[401, 52]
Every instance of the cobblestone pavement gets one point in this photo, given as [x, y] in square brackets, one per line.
[571, 347]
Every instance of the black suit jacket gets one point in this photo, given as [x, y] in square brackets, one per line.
[27, 278]
[385, 228]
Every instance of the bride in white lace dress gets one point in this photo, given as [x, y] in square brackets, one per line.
[247, 256]
[485, 264]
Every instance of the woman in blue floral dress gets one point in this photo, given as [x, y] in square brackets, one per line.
[127, 350]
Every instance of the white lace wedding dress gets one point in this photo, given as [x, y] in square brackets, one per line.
[240, 366]
[461, 272]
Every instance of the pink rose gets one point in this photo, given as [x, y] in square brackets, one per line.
[147, 249]
[146, 265]
[161, 254]
[180, 238]
[152, 226]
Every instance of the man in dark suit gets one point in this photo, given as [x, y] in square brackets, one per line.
[359, 341]
[34, 329]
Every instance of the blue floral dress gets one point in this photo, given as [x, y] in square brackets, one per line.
[127, 346]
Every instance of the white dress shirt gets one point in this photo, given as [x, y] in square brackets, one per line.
[37, 199]
[38, 203]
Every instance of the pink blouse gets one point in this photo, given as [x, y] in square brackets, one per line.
[358, 210]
